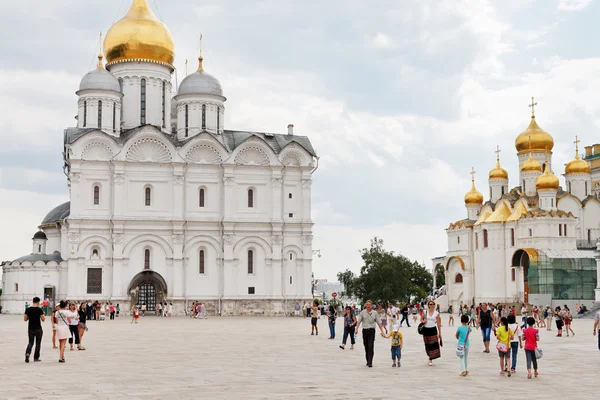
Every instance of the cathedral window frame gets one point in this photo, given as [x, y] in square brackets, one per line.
[476, 240]
[148, 195]
[560, 233]
[202, 261]
[458, 278]
[565, 230]
[250, 261]
[94, 283]
[114, 116]
[251, 194]
[16, 287]
[512, 237]
[187, 120]
[202, 197]
[96, 194]
[203, 116]
[142, 101]
[218, 119]
[99, 114]
[485, 239]
[164, 104]
[84, 113]
[147, 258]
[586, 189]
[513, 274]
[121, 101]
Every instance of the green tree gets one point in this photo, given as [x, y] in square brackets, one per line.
[348, 279]
[421, 281]
[440, 276]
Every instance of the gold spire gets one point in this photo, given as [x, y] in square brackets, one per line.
[473, 197]
[100, 65]
[200, 58]
[498, 172]
[577, 165]
[547, 180]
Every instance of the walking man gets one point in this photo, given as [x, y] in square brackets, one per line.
[405, 315]
[34, 315]
[369, 318]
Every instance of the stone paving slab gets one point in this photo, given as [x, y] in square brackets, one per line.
[276, 358]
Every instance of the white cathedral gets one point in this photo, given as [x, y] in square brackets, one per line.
[534, 243]
[166, 204]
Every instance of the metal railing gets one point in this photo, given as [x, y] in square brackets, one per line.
[586, 244]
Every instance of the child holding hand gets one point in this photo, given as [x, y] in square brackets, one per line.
[396, 336]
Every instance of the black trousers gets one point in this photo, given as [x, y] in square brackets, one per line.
[369, 342]
[74, 332]
[405, 318]
[37, 336]
[348, 331]
[112, 315]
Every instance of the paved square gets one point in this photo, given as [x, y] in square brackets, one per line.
[276, 358]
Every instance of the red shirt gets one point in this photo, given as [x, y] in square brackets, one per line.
[45, 303]
[530, 335]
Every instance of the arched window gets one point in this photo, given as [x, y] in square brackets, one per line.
[121, 87]
[512, 237]
[147, 259]
[148, 199]
[99, 113]
[559, 229]
[96, 195]
[513, 275]
[250, 262]
[203, 116]
[143, 102]
[565, 229]
[502, 190]
[84, 114]
[201, 197]
[201, 262]
[250, 198]
[476, 240]
[589, 236]
[218, 119]
[186, 120]
[490, 192]
[114, 116]
[458, 239]
[586, 189]
[290, 280]
[95, 253]
[39, 248]
[458, 278]
[570, 188]
[164, 104]
[485, 238]
[523, 189]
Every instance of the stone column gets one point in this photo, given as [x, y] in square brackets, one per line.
[229, 196]
[229, 266]
[275, 289]
[177, 266]
[120, 196]
[306, 202]
[276, 183]
[178, 193]
[305, 288]
[119, 288]
[72, 265]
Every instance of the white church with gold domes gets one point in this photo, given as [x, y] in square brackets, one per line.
[166, 204]
[533, 243]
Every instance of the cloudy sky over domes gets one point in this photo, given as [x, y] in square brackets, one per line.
[400, 100]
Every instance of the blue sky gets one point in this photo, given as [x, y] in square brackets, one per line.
[400, 99]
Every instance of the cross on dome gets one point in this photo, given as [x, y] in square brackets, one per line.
[498, 152]
[532, 106]
[473, 174]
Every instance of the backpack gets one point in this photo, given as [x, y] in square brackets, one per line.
[546, 313]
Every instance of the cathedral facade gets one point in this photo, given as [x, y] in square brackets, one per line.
[165, 203]
[533, 243]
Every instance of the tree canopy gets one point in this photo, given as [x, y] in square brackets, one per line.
[386, 277]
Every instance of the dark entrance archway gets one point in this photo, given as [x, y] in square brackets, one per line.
[148, 288]
[522, 258]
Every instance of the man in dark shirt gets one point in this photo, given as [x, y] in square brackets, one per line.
[34, 315]
[404, 312]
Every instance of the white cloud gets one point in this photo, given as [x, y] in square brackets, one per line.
[378, 161]
[382, 41]
[572, 5]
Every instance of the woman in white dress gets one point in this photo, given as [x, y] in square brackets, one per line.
[170, 310]
[62, 319]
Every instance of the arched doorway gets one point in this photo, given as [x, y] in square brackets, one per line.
[148, 288]
[523, 258]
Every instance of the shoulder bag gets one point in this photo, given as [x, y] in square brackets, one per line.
[460, 350]
[501, 346]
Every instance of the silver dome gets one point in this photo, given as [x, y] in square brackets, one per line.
[200, 83]
[100, 79]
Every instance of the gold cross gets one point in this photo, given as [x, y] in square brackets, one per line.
[577, 142]
[498, 152]
[532, 106]
[473, 174]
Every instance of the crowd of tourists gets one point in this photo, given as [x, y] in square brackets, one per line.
[513, 329]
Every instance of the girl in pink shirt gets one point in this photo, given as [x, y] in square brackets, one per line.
[531, 336]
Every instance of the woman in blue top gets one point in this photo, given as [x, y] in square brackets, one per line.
[462, 333]
[349, 325]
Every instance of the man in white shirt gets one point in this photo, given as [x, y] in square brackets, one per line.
[596, 326]
[392, 311]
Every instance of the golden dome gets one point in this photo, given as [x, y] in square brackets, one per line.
[540, 139]
[139, 36]
[473, 197]
[547, 180]
[498, 172]
[577, 166]
[531, 165]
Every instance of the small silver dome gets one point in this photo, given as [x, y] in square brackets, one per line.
[200, 83]
[100, 79]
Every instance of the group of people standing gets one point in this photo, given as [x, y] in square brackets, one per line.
[68, 321]
[198, 311]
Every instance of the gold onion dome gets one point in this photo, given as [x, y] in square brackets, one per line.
[547, 180]
[577, 166]
[473, 197]
[540, 139]
[498, 172]
[139, 36]
[531, 165]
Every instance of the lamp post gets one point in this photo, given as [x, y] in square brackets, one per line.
[316, 252]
